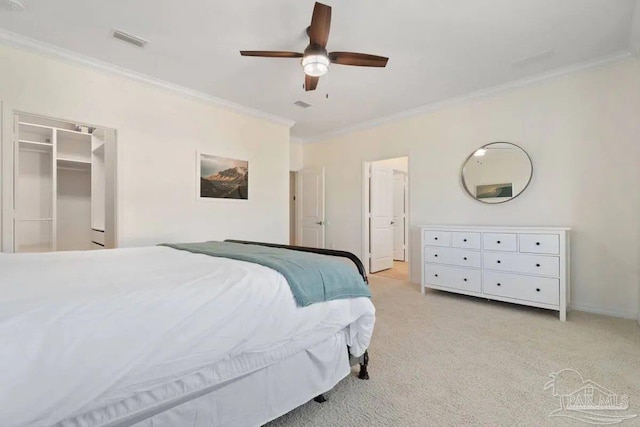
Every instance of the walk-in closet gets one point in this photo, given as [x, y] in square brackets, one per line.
[64, 186]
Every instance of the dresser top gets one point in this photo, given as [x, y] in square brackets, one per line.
[492, 228]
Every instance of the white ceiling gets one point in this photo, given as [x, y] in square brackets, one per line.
[438, 49]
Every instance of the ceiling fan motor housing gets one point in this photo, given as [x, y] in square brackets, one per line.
[315, 61]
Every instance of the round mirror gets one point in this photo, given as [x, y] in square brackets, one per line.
[497, 172]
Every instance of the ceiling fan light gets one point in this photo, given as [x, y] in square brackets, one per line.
[315, 65]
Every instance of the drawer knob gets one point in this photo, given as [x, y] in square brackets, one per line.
[537, 265]
[436, 255]
[498, 242]
[498, 284]
[465, 279]
[537, 243]
[435, 238]
[499, 261]
[465, 258]
[436, 275]
[537, 289]
[464, 240]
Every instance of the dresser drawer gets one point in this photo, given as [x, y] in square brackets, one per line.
[452, 256]
[437, 238]
[520, 263]
[465, 240]
[97, 237]
[463, 279]
[527, 288]
[540, 243]
[500, 242]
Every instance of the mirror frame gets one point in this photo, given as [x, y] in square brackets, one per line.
[464, 183]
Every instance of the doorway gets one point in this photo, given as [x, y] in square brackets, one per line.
[386, 218]
[63, 179]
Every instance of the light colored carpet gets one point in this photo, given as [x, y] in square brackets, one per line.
[399, 271]
[443, 359]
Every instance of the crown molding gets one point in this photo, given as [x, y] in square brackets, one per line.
[483, 93]
[21, 42]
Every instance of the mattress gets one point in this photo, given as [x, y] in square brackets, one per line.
[94, 331]
[266, 394]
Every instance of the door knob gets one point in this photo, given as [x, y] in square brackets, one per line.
[393, 222]
[320, 222]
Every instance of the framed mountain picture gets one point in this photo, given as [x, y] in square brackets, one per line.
[222, 178]
[492, 191]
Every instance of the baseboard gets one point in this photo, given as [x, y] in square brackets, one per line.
[606, 312]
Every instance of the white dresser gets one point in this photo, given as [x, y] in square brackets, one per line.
[524, 265]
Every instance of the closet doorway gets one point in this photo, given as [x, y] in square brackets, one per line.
[386, 217]
[64, 182]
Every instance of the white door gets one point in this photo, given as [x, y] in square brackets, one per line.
[311, 208]
[381, 222]
[398, 216]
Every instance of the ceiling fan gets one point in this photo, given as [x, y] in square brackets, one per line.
[316, 59]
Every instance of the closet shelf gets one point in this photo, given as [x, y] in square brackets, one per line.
[99, 150]
[24, 141]
[73, 134]
[35, 145]
[75, 164]
[40, 129]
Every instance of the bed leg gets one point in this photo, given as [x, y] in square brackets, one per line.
[320, 398]
[364, 373]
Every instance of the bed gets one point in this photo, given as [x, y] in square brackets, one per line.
[164, 337]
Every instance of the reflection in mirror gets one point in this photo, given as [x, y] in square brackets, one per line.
[497, 172]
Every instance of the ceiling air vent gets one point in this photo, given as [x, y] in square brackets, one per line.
[15, 5]
[129, 38]
[302, 104]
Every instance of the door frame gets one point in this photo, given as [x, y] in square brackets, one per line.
[405, 211]
[366, 176]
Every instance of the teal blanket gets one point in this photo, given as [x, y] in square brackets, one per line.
[312, 278]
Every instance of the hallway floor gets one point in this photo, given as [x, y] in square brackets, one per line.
[400, 271]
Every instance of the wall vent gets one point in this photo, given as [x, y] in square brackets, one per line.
[129, 38]
[302, 104]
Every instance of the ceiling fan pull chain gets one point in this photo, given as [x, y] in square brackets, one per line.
[328, 85]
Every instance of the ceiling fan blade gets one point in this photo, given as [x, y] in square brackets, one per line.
[358, 59]
[270, 54]
[320, 25]
[310, 83]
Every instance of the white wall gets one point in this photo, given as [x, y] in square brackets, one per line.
[582, 132]
[399, 164]
[74, 210]
[295, 156]
[158, 135]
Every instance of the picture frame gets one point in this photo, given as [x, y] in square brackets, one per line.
[221, 178]
[494, 191]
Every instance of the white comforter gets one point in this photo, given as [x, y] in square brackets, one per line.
[78, 327]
